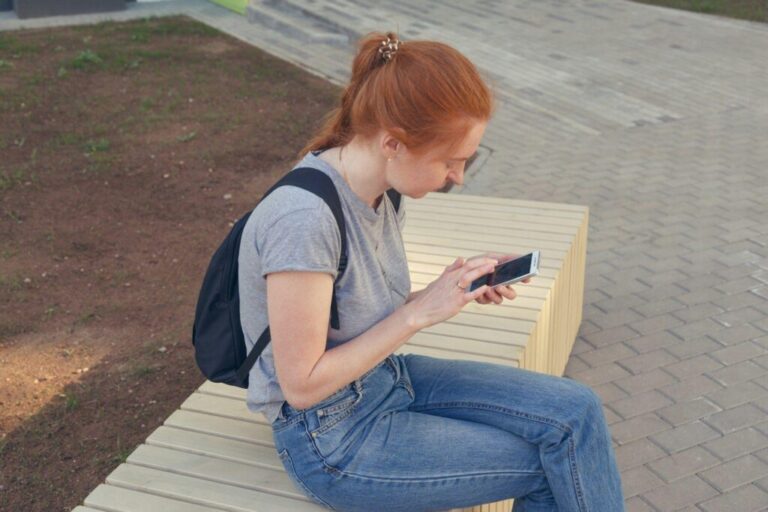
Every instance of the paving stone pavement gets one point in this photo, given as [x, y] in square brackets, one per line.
[657, 119]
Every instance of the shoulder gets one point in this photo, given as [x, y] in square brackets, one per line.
[289, 202]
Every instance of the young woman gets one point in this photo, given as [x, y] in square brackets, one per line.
[357, 427]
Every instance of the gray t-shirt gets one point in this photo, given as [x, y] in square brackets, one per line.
[294, 230]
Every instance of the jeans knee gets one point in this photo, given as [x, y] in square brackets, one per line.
[585, 400]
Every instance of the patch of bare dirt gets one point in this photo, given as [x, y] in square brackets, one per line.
[126, 149]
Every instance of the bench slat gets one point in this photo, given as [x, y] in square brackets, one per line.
[478, 245]
[214, 425]
[204, 492]
[229, 407]
[497, 228]
[472, 250]
[214, 469]
[119, 499]
[485, 212]
[472, 200]
[489, 234]
[217, 446]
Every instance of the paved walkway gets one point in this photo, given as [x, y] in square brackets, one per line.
[655, 118]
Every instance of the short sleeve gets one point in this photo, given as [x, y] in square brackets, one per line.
[305, 240]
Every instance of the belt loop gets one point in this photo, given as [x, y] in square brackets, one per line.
[395, 367]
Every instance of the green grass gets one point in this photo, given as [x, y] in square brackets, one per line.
[187, 137]
[9, 179]
[71, 402]
[753, 10]
[11, 283]
[86, 59]
[12, 47]
[238, 6]
[122, 453]
[96, 146]
[142, 371]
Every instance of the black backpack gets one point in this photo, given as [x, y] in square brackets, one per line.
[217, 335]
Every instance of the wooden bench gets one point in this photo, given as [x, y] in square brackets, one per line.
[213, 454]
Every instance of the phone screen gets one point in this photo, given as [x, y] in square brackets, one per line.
[505, 272]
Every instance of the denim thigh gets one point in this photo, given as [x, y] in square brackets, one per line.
[363, 448]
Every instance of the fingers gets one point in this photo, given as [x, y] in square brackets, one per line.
[476, 271]
[506, 291]
[476, 294]
[478, 262]
[497, 294]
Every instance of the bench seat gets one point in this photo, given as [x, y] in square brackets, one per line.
[214, 454]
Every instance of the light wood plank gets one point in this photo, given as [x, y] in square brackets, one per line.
[215, 388]
[486, 211]
[250, 476]
[447, 354]
[214, 425]
[501, 201]
[118, 499]
[218, 405]
[263, 455]
[205, 492]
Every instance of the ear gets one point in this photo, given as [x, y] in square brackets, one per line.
[390, 143]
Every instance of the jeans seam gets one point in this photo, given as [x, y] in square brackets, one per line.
[287, 456]
[512, 412]
[486, 474]
[565, 428]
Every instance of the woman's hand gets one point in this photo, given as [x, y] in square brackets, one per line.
[497, 294]
[449, 293]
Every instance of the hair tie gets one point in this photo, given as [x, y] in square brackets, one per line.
[389, 48]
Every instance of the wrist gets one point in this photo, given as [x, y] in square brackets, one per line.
[411, 318]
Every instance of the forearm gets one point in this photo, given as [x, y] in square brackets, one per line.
[343, 364]
[413, 295]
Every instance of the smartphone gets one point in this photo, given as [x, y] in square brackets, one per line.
[510, 271]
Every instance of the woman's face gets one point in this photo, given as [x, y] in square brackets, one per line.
[415, 176]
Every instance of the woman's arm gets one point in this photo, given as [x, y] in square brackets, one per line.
[413, 295]
[298, 306]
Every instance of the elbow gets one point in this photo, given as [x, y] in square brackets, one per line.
[298, 399]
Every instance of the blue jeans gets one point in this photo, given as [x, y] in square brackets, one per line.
[418, 433]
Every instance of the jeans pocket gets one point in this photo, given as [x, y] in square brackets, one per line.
[285, 458]
[330, 414]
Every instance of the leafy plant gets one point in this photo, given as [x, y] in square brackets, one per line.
[96, 146]
[71, 402]
[85, 59]
[187, 137]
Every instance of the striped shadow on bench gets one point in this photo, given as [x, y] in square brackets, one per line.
[213, 454]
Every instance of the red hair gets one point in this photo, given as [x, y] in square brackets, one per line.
[426, 95]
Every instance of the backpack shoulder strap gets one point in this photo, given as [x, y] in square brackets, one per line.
[320, 184]
[394, 196]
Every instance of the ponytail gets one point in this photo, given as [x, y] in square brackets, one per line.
[423, 92]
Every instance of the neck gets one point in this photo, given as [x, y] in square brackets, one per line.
[363, 169]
